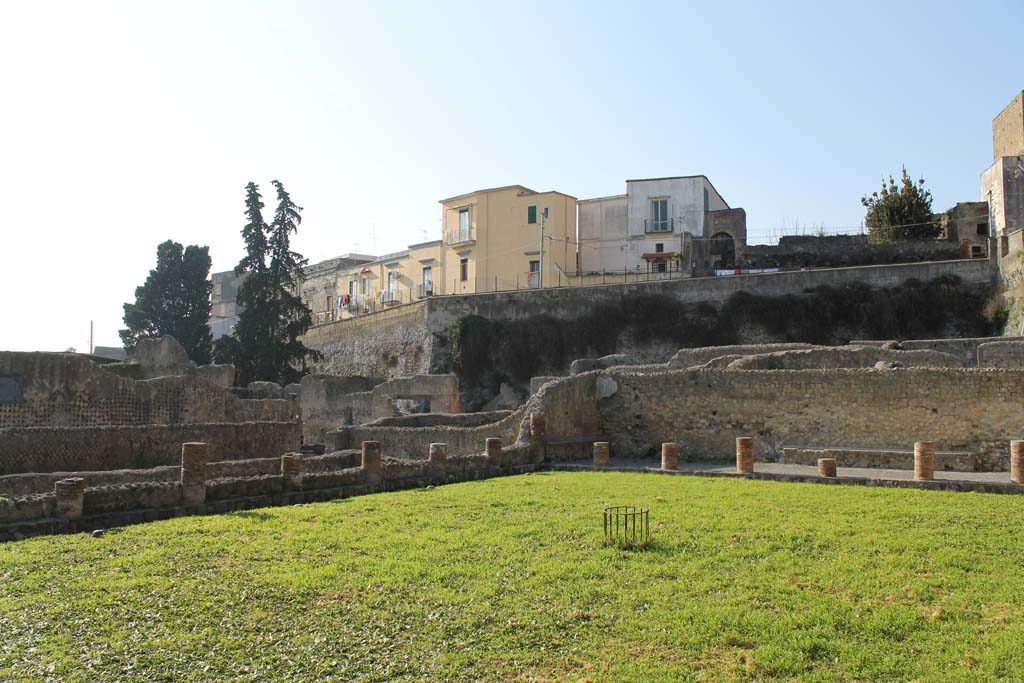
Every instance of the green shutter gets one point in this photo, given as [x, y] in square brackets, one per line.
[531, 214]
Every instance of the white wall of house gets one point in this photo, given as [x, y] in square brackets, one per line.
[1002, 186]
[602, 234]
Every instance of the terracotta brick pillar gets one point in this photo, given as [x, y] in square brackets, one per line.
[292, 469]
[371, 463]
[601, 453]
[70, 495]
[669, 456]
[924, 460]
[492, 449]
[827, 467]
[744, 454]
[193, 473]
[1017, 462]
[437, 454]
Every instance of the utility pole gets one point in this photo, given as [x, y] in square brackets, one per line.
[90, 338]
[540, 275]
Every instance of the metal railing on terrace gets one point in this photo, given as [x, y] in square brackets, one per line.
[659, 225]
[459, 235]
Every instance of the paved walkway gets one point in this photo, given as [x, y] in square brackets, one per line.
[991, 482]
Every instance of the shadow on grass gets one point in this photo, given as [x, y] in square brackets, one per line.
[254, 514]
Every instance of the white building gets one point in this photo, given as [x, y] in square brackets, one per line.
[660, 225]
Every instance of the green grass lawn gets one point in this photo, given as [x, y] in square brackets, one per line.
[508, 580]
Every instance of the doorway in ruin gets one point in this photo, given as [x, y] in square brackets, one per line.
[723, 250]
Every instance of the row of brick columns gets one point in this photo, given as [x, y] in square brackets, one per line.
[70, 493]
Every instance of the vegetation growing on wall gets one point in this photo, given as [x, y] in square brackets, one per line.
[487, 353]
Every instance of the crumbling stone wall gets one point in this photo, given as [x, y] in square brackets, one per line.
[1001, 354]
[964, 347]
[50, 449]
[569, 406]
[844, 357]
[688, 358]
[833, 251]
[976, 410]
[326, 405]
[68, 390]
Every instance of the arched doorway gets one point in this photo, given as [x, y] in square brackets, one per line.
[723, 250]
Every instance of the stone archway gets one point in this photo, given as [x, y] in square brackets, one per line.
[723, 250]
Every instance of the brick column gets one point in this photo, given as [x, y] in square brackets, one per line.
[492, 449]
[292, 469]
[827, 467]
[601, 453]
[924, 460]
[669, 456]
[437, 454]
[538, 433]
[744, 455]
[1017, 462]
[193, 473]
[70, 495]
[372, 470]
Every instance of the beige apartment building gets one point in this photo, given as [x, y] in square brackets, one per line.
[506, 238]
[356, 284]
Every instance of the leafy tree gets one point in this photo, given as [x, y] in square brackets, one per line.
[174, 300]
[900, 211]
[266, 344]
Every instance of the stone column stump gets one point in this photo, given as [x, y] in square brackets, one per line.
[193, 473]
[437, 454]
[669, 456]
[744, 455]
[538, 428]
[70, 495]
[924, 460]
[601, 453]
[538, 434]
[371, 462]
[1017, 462]
[492, 449]
[292, 469]
[827, 467]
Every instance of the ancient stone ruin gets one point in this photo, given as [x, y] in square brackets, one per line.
[85, 445]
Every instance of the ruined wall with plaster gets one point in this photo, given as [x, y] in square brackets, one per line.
[49, 449]
[569, 406]
[976, 410]
[68, 390]
[1001, 354]
[329, 402]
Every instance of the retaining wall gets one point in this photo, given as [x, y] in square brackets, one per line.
[411, 339]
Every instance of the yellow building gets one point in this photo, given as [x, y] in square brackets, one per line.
[506, 238]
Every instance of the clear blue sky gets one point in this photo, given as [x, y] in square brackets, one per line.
[124, 124]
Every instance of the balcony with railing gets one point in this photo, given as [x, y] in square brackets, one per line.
[460, 236]
[656, 225]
